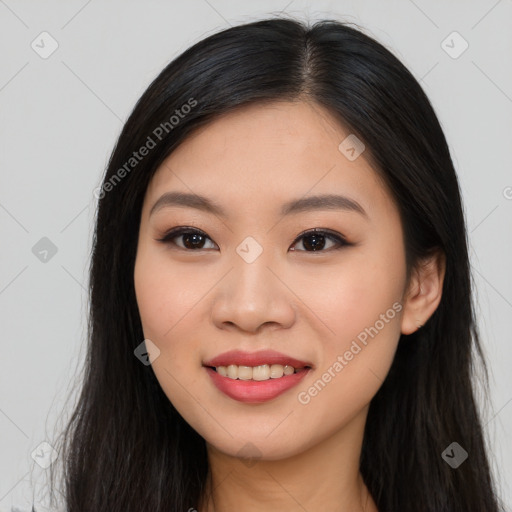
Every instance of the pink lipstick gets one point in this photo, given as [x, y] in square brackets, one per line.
[274, 374]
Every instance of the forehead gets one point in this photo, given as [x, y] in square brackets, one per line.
[269, 152]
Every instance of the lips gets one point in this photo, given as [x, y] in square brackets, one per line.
[254, 391]
[241, 358]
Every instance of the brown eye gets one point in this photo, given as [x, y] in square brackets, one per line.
[317, 240]
[192, 239]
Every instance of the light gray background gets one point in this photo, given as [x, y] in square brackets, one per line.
[60, 118]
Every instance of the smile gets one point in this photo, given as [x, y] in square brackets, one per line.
[255, 377]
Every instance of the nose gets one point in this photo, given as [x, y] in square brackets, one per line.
[253, 294]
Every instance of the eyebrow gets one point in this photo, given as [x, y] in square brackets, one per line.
[304, 204]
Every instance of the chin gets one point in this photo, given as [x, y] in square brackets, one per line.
[258, 447]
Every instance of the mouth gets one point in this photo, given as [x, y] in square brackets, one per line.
[255, 377]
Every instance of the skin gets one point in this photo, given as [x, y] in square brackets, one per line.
[197, 303]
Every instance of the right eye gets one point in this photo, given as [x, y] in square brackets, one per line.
[192, 239]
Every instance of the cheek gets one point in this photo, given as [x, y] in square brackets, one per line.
[355, 295]
[165, 294]
[356, 359]
[361, 305]
[164, 303]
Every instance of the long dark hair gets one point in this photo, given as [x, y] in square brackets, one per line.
[125, 446]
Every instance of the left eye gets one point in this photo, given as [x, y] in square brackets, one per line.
[314, 240]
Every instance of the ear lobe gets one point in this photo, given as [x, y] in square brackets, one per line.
[424, 292]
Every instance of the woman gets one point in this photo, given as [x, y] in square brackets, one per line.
[281, 313]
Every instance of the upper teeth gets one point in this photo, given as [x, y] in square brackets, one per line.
[262, 372]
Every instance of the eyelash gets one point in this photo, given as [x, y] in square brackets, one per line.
[327, 233]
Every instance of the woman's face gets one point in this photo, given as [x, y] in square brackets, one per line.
[245, 278]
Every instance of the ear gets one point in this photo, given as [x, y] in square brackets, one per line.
[424, 292]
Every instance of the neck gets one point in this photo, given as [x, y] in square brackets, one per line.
[323, 477]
